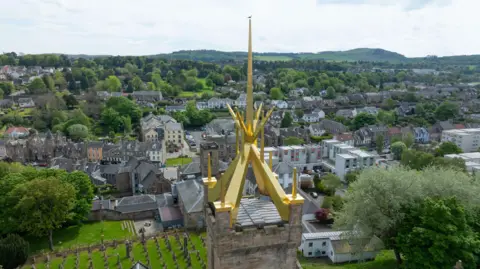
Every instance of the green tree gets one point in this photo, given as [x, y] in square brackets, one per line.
[387, 118]
[113, 84]
[77, 132]
[13, 251]
[111, 119]
[379, 143]
[330, 93]
[37, 86]
[390, 104]
[397, 149]
[43, 206]
[276, 94]
[151, 86]
[83, 195]
[293, 140]
[363, 119]
[49, 82]
[446, 111]
[436, 234]
[351, 177]
[70, 100]
[331, 183]
[60, 81]
[7, 88]
[447, 148]
[299, 113]
[409, 140]
[287, 120]
[137, 84]
[419, 110]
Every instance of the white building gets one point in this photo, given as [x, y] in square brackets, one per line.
[472, 160]
[341, 158]
[154, 153]
[334, 246]
[241, 101]
[466, 139]
[280, 104]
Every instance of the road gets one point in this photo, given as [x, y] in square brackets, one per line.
[197, 135]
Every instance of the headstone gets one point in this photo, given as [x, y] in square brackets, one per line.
[128, 247]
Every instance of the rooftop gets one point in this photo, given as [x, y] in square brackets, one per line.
[257, 212]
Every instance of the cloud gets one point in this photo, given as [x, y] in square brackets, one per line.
[118, 27]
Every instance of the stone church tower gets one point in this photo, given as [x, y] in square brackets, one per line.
[251, 233]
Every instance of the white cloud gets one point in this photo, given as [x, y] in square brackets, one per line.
[125, 27]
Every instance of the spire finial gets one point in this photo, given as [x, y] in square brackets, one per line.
[249, 77]
[294, 187]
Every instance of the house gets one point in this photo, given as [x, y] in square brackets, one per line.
[421, 135]
[172, 109]
[362, 137]
[155, 122]
[190, 201]
[173, 135]
[154, 153]
[437, 129]
[346, 138]
[346, 113]
[299, 132]
[241, 101]
[296, 104]
[311, 117]
[405, 109]
[336, 247]
[333, 127]
[280, 104]
[316, 129]
[17, 132]
[298, 92]
[373, 97]
[319, 112]
[356, 98]
[219, 103]
[368, 109]
[95, 151]
[147, 96]
[202, 105]
[6, 103]
[25, 102]
[394, 132]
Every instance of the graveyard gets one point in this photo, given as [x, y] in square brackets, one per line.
[169, 250]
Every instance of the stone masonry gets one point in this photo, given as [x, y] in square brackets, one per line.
[271, 246]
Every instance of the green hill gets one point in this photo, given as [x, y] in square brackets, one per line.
[362, 54]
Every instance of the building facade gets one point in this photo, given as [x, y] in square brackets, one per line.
[466, 139]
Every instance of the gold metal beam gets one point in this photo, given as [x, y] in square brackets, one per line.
[250, 77]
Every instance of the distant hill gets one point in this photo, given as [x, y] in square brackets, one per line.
[362, 54]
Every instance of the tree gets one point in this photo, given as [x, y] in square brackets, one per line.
[362, 120]
[446, 111]
[7, 88]
[43, 206]
[331, 183]
[293, 140]
[330, 93]
[77, 132]
[49, 83]
[299, 113]
[37, 86]
[351, 177]
[419, 110]
[447, 148]
[13, 251]
[151, 86]
[436, 234]
[287, 120]
[397, 149]
[379, 143]
[276, 94]
[70, 100]
[409, 140]
[137, 84]
[84, 194]
[113, 84]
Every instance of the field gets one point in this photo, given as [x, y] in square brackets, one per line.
[88, 233]
[159, 252]
[178, 161]
[384, 260]
[206, 89]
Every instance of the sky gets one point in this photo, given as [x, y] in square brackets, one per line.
[413, 28]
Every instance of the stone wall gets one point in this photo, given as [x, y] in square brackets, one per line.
[269, 247]
[108, 214]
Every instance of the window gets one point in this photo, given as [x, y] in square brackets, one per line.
[324, 244]
[331, 253]
[309, 253]
[323, 252]
[310, 244]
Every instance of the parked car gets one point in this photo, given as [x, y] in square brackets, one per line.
[314, 194]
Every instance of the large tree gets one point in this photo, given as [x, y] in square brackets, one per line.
[37, 86]
[378, 202]
[446, 111]
[435, 234]
[287, 120]
[397, 149]
[13, 251]
[447, 148]
[113, 84]
[84, 194]
[362, 120]
[276, 94]
[42, 205]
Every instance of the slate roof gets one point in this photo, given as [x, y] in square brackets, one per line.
[97, 204]
[191, 168]
[173, 126]
[170, 213]
[137, 203]
[191, 194]
[257, 212]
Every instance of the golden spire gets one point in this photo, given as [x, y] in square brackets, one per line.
[249, 78]
[248, 129]
[294, 187]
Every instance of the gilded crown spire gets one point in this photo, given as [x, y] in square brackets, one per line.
[250, 78]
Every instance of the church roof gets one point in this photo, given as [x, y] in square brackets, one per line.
[257, 212]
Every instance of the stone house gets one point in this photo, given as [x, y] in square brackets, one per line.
[219, 103]
[177, 108]
[95, 151]
[17, 132]
[316, 129]
[190, 201]
[173, 135]
[294, 132]
[373, 97]
[280, 104]
[333, 127]
[147, 96]
[154, 152]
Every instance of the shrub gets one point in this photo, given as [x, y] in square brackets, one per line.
[13, 251]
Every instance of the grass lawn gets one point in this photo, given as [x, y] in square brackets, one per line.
[206, 89]
[156, 260]
[88, 233]
[178, 161]
[384, 260]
